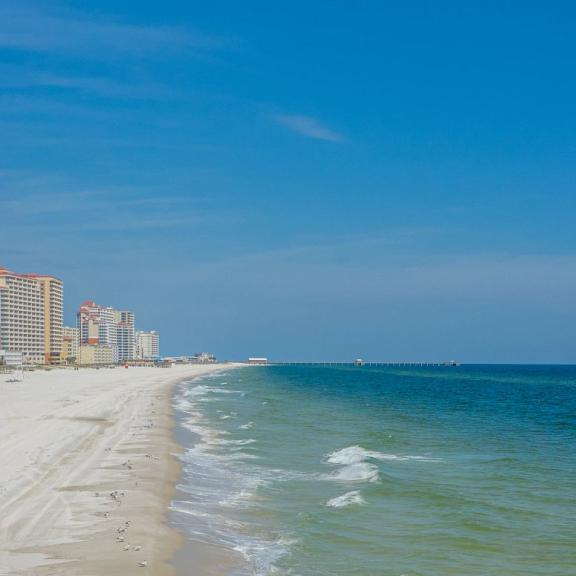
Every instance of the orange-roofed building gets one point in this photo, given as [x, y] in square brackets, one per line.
[31, 316]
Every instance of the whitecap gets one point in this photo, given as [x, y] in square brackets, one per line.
[350, 455]
[359, 472]
[348, 499]
[235, 442]
[354, 454]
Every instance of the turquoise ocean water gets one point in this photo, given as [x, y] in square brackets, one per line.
[383, 471]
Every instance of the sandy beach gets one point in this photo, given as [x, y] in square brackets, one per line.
[88, 468]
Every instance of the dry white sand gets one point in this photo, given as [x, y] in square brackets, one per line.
[87, 470]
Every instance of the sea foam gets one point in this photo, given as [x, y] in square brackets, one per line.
[356, 466]
[219, 476]
[348, 499]
[358, 472]
[355, 454]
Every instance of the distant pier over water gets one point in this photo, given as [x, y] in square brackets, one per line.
[358, 362]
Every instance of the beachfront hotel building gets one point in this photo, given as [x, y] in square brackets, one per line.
[92, 354]
[12, 359]
[148, 345]
[31, 316]
[53, 317]
[70, 342]
[105, 328]
[97, 327]
[125, 335]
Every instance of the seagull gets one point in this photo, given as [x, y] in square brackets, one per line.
[143, 564]
[137, 548]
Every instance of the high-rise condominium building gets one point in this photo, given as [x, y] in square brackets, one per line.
[31, 316]
[97, 327]
[125, 335]
[104, 326]
[53, 317]
[148, 345]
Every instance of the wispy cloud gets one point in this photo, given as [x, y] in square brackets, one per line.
[381, 277]
[85, 201]
[308, 126]
[67, 207]
[30, 28]
[14, 78]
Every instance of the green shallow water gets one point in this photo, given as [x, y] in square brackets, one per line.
[381, 471]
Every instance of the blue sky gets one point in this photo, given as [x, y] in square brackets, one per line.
[302, 180]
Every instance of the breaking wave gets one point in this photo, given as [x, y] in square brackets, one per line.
[348, 499]
[356, 465]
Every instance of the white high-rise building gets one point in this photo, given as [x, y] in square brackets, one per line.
[104, 326]
[31, 316]
[97, 327]
[125, 335]
[148, 345]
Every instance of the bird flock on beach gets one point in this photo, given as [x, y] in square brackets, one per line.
[116, 498]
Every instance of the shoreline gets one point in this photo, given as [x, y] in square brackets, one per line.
[89, 471]
[214, 559]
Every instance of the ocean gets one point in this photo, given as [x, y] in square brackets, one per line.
[369, 471]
